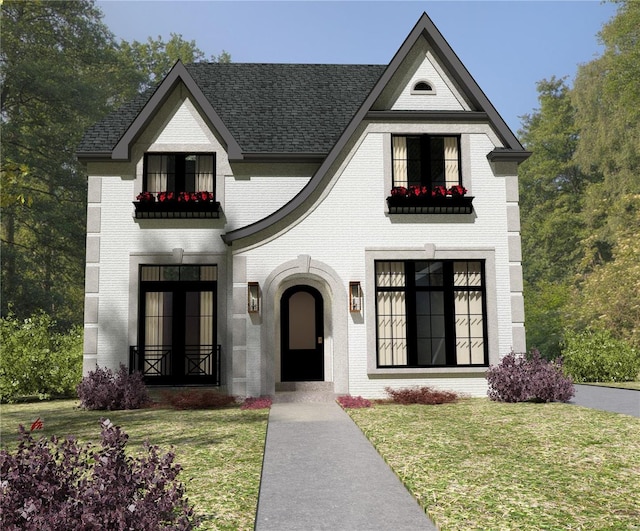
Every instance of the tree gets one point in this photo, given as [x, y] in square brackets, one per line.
[54, 66]
[61, 71]
[551, 188]
[151, 60]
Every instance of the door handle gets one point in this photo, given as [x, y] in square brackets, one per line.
[319, 340]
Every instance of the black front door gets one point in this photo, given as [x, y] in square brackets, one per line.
[302, 335]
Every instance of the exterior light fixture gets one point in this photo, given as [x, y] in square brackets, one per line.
[253, 297]
[355, 297]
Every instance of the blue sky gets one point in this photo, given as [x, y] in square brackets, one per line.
[507, 46]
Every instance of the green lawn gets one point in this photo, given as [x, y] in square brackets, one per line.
[475, 464]
[220, 450]
[482, 465]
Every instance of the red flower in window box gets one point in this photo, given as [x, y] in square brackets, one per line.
[457, 191]
[204, 196]
[398, 191]
[146, 197]
[164, 197]
[439, 191]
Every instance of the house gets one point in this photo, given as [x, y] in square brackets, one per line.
[254, 224]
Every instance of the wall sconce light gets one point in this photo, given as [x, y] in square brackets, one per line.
[355, 297]
[253, 297]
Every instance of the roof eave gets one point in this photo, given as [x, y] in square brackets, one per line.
[508, 155]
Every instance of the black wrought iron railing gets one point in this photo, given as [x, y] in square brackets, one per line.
[166, 364]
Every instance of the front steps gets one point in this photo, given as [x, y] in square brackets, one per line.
[287, 392]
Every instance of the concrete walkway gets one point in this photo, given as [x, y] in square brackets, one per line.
[320, 472]
[626, 401]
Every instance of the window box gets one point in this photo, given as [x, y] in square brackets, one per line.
[147, 207]
[416, 200]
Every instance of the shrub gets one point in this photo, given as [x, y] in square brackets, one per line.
[36, 360]
[197, 399]
[596, 356]
[522, 377]
[353, 402]
[61, 485]
[421, 395]
[259, 402]
[104, 389]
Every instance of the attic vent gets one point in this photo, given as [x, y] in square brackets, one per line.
[423, 87]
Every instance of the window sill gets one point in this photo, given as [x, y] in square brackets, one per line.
[176, 209]
[431, 205]
[417, 372]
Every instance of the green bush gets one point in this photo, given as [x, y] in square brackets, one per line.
[596, 356]
[37, 360]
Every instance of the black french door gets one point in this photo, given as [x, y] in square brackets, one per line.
[177, 331]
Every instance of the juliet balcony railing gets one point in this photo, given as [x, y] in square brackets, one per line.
[173, 205]
[165, 364]
[420, 200]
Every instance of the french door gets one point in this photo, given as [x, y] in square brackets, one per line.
[177, 332]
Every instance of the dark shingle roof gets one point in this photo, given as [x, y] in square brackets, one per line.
[268, 108]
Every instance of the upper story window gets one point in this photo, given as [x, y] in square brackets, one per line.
[426, 160]
[179, 172]
[426, 176]
[178, 185]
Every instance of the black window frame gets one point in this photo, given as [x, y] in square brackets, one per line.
[426, 142]
[177, 183]
[448, 288]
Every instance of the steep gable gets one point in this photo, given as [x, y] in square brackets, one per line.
[183, 125]
[421, 65]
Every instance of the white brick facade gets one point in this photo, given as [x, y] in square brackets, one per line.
[330, 239]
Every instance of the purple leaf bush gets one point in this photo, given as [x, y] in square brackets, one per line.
[529, 377]
[353, 402]
[421, 395]
[59, 485]
[257, 402]
[104, 389]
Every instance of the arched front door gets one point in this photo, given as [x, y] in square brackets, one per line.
[302, 335]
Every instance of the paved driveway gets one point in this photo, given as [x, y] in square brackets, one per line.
[626, 401]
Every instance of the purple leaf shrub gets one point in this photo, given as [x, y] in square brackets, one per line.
[522, 377]
[197, 399]
[104, 389]
[421, 395]
[257, 402]
[353, 402]
[61, 485]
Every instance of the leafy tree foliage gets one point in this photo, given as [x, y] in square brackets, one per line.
[37, 360]
[61, 71]
[55, 63]
[151, 60]
[580, 195]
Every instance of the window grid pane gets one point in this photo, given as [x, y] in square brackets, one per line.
[469, 327]
[448, 323]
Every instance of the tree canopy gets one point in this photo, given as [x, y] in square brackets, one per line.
[580, 195]
[61, 70]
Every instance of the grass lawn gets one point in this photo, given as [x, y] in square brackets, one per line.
[483, 465]
[220, 450]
